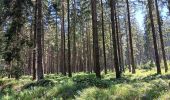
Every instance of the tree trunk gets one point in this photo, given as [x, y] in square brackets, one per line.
[69, 51]
[74, 39]
[117, 39]
[130, 39]
[30, 56]
[40, 74]
[34, 44]
[127, 49]
[56, 44]
[103, 38]
[62, 59]
[95, 39]
[118, 74]
[154, 37]
[161, 36]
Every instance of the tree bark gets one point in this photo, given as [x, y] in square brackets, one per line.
[40, 74]
[161, 36]
[103, 38]
[130, 39]
[154, 37]
[34, 44]
[69, 51]
[118, 74]
[62, 59]
[95, 39]
[117, 39]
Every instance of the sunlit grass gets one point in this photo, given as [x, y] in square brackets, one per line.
[145, 84]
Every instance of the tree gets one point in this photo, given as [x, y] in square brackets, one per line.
[115, 47]
[13, 18]
[117, 37]
[161, 36]
[34, 43]
[39, 71]
[95, 39]
[150, 2]
[69, 51]
[130, 38]
[62, 55]
[74, 37]
[103, 38]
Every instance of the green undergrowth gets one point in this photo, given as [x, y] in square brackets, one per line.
[144, 85]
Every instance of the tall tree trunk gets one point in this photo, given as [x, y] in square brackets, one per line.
[69, 51]
[95, 39]
[127, 49]
[161, 36]
[121, 54]
[150, 2]
[43, 47]
[62, 59]
[56, 44]
[111, 49]
[130, 39]
[34, 44]
[74, 38]
[118, 74]
[103, 38]
[88, 49]
[30, 56]
[40, 74]
[120, 45]
[117, 35]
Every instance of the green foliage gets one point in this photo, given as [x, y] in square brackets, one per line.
[124, 92]
[90, 80]
[149, 65]
[7, 89]
[42, 83]
[165, 96]
[94, 93]
[3, 73]
[158, 86]
[16, 71]
[144, 85]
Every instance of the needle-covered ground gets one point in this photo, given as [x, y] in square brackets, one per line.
[144, 85]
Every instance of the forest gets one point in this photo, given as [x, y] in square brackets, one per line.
[84, 49]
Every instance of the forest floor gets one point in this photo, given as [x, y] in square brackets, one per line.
[144, 85]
